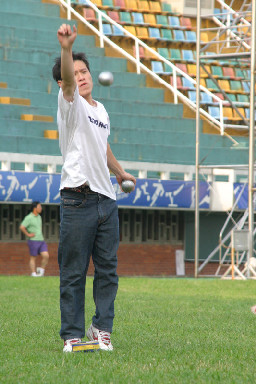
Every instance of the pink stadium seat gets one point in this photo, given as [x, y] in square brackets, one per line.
[89, 14]
[185, 22]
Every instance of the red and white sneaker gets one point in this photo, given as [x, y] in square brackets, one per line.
[68, 344]
[102, 337]
[253, 309]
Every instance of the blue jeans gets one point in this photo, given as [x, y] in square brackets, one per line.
[89, 226]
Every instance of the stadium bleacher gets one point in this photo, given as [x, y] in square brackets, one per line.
[26, 75]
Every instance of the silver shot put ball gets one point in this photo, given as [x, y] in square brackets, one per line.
[127, 186]
[106, 78]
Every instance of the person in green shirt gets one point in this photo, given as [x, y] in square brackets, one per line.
[31, 226]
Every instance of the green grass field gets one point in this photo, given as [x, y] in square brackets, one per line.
[166, 331]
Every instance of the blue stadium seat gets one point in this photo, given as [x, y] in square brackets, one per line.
[178, 35]
[192, 96]
[157, 66]
[154, 33]
[246, 86]
[214, 112]
[174, 21]
[187, 54]
[137, 18]
[205, 98]
[187, 84]
[190, 36]
[107, 30]
[117, 31]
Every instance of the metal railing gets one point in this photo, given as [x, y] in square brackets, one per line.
[141, 67]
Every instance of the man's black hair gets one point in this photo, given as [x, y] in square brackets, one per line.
[34, 204]
[56, 70]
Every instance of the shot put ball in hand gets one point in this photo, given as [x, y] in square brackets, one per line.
[106, 78]
[127, 186]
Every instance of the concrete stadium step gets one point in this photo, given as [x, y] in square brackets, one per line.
[15, 111]
[43, 118]
[135, 152]
[35, 145]
[10, 47]
[112, 105]
[46, 59]
[158, 137]
[50, 23]
[35, 8]
[114, 92]
[47, 84]
[174, 154]
[14, 100]
[16, 127]
[124, 120]
[23, 36]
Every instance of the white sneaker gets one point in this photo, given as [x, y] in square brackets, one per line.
[34, 274]
[40, 271]
[68, 344]
[102, 337]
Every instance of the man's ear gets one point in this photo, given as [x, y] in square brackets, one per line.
[59, 83]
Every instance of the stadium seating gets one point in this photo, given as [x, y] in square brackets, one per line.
[139, 116]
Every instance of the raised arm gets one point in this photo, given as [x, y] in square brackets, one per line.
[116, 168]
[66, 39]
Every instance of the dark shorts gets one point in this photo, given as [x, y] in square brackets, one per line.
[37, 247]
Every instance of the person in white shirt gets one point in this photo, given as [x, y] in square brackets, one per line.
[89, 214]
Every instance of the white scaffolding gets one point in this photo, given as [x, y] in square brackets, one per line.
[241, 34]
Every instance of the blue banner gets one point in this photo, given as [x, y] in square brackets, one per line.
[26, 187]
[241, 193]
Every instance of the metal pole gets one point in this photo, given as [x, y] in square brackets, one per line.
[69, 12]
[198, 37]
[251, 133]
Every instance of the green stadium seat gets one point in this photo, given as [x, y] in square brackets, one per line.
[235, 85]
[164, 52]
[125, 17]
[166, 34]
[175, 54]
[166, 7]
[216, 71]
[162, 20]
[211, 85]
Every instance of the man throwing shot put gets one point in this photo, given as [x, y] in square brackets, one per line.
[89, 215]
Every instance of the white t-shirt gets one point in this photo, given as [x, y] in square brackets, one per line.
[83, 134]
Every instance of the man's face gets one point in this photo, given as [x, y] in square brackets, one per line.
[83, 78]
[39, 208]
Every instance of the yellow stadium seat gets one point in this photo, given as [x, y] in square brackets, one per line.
[142, 32]
[224, 84]
[204, 37]
[130, 29]
[51, 134]
[228, 113]
[131, 5]
[143, 5]
[155, 6]
[149, 19]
